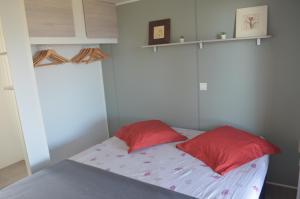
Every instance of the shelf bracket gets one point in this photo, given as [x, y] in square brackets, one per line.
[200, 45]
[155, 49]
[258, 41]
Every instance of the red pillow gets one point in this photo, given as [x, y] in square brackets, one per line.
[227, 148]
[148, 133]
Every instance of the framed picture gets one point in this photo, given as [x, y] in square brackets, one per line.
[252, 22]
[159, 32]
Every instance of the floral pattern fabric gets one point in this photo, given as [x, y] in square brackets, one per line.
[170, 168]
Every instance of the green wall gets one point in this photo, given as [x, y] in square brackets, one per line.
[250, 87]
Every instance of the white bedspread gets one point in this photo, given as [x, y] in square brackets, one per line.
[168, 167]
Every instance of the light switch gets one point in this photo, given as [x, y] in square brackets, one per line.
[203, 86]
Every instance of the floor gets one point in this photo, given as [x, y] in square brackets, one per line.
[12, 174]
[275, 192]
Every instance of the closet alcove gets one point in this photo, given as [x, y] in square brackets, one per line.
[71, 94]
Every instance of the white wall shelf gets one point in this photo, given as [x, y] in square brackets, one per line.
[202, 42]
[126, 2]
[75, 41]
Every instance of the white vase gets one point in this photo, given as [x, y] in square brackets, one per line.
[223, 36]
[181, 40]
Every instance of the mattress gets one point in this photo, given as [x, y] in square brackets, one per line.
[170, 168]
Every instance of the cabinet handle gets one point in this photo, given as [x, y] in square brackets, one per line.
[8, 88]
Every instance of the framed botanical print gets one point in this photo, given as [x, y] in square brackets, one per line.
[159, 32]
[252, 22]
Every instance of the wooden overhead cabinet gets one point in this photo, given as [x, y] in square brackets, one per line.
[100, 19]
[50, 18]
[71, 21]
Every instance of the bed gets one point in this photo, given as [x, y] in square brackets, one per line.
[170, 168]
[164, 168]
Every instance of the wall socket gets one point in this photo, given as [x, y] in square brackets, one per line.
[203, 86]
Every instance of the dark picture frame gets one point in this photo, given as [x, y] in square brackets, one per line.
[160, 32]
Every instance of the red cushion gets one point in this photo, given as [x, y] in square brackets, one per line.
[227, 148]
[148, 133]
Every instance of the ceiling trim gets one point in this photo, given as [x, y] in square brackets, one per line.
[126, 2]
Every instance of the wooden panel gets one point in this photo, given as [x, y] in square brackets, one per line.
[100, 19]
[50, 18]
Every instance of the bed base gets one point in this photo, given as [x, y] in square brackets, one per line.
[263, 192]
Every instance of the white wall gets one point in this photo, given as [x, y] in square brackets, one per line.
[73, 104]
[12, 13]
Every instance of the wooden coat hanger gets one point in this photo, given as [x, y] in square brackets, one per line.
[49, 55]
[88, 55]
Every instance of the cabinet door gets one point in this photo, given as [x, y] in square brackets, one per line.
[100, 19]
[11, 141]
[50, 18]
[2, 44]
